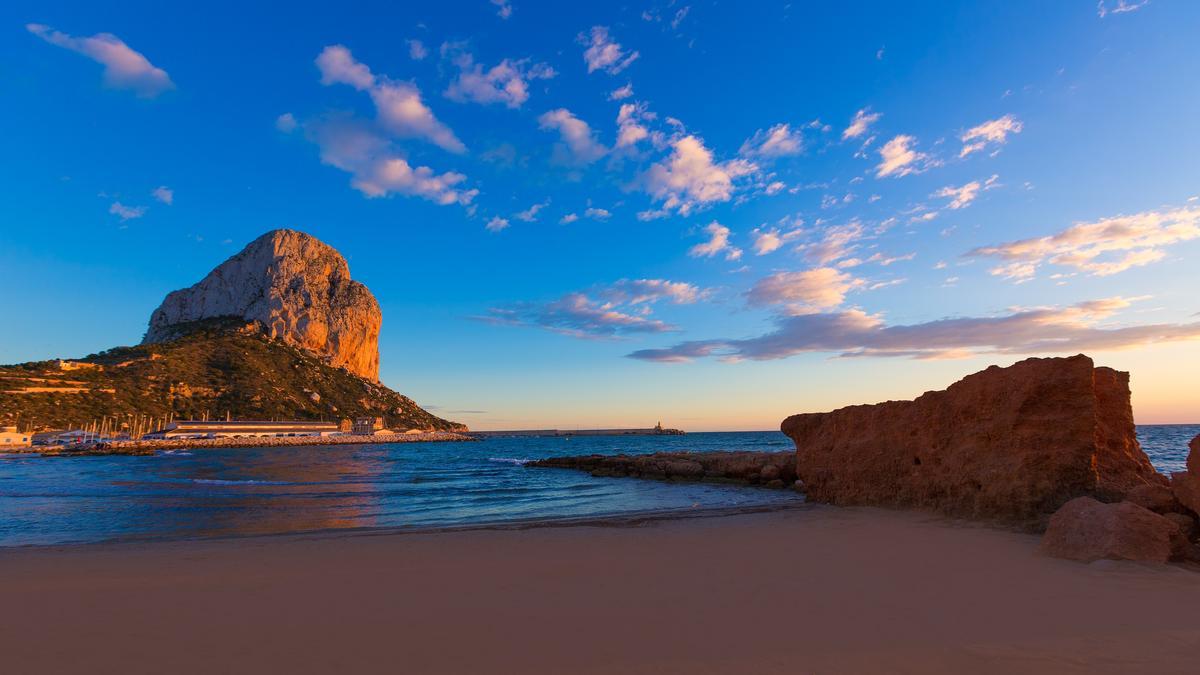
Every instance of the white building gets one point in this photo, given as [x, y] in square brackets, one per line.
[11, 438]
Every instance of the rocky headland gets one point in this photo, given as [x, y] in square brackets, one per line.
[292, 287]
[278, 331]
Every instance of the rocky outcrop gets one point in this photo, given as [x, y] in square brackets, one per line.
[770, 469]
[1186, 484]
[293, 287]
[1006, 445]
[1086, 530]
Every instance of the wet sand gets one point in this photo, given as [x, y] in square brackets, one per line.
[809, 590]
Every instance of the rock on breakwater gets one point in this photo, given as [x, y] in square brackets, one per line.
[770, 469]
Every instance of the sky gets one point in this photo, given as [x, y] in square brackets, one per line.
[713, 214]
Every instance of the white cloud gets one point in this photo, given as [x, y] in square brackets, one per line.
[124, 68]
[603, 53]
[1104, 247]
[805, 291]
[836, 243]
[417, 50]
[377, 169]
[863, 119]
[504, 8]
[718, 242]
[767, 241]
[630, 129]
[597, 214]
[164, 194]
[621, 93]
[689, 178]
[1106, 7]
[992, 131]
[576, 135]
[506, 82]
[1057, 330]
[620, 309]
[900, 159]
[286, 123]
[398, 105]
[778, 141]
[530, 214]
[568, 219]
[496, 224]
[962, 196]
[126, 212]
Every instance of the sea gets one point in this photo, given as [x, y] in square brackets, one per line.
[210, 493]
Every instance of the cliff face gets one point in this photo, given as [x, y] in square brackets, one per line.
[1005, 444]
[294, 288]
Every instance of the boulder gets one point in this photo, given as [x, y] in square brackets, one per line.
[1186, 486]
[1156, 497]
[293, 287]
[1085, 529]
[1008, 445]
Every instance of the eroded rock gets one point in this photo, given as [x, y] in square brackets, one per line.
[1005, 444]
[772, 469]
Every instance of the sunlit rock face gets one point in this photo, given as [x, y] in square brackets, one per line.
[296, 289]
[1005, 444]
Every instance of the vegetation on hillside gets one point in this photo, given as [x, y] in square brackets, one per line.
[214, 368]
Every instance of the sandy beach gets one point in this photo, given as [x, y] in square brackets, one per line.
[806, 590]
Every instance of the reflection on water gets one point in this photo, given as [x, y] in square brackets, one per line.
[222, 492]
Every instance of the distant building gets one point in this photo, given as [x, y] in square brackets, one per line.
[369, 426]
[184, 429]
[11, 438]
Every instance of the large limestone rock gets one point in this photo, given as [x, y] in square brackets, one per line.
[297, 289]
[1005, 444]
[1186, 484]
[1086, 530]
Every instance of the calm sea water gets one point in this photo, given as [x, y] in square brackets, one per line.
[212, 493]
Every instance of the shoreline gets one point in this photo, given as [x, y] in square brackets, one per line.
[152, 446]
[811, 589]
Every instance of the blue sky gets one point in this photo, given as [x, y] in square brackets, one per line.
[597, 214]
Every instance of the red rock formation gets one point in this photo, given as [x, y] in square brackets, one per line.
[1086, 530]
[1005, 444]
[1186, 484]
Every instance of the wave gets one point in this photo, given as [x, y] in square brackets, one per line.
[515, 461]
[175, 453]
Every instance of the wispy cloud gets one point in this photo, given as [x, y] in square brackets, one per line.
[507, 82]
[1053, 330]
[1101, 248]
[530, 214]
[126, 212]
[718, 243]
[398, 105]
[496, 224]
[804, 291]
[991, 132]
[861, 124]
[504, 8]
[689, 178]
[579, 144]
[417, 50]
[164, 194]
[1106, 7]
[778, 141]
[962, 196]
[604, 53]
[899, 158]
[621, 93]
[124, 68]
[620, 309]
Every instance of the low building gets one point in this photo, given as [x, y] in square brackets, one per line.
[185, 429]
[69, 437]
[11, 438]
[369, 426]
